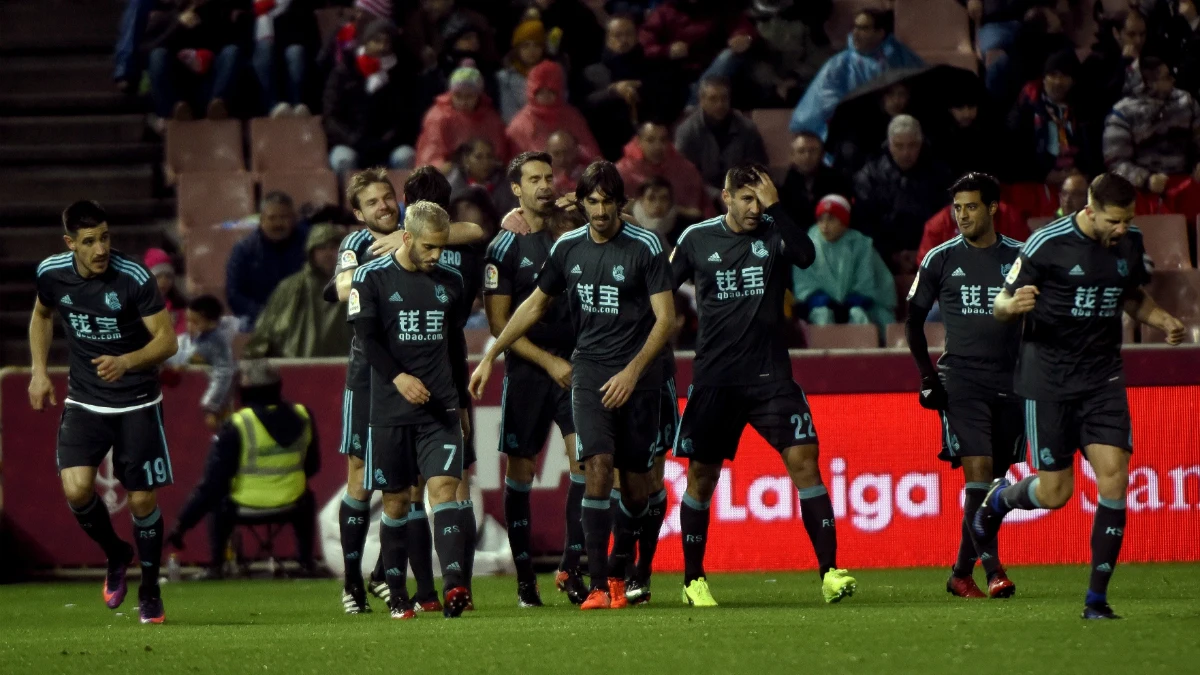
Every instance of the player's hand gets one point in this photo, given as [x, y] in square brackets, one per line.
[388, 244]
[41, 388]
[1174, 329]
[479, 378]
[110, 368]
[464, 421]
[514, 221]
[679, 50]
[765, 190]
[1157, 183]
[933, 394]
[559, 370]
[412, 389]
[619, 388]
[1024, 300]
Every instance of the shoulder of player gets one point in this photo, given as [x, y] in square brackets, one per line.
[1049, 233]
[569, 239]
[129, 267]
[694, 230]
[361, 272]
[500, 246]
[57, 261]
[939, 251]
[642, 236]
[443, 272]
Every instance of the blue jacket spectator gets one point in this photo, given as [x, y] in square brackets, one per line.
[264, 258]
[871, 50]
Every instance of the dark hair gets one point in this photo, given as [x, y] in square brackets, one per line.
[603, 176]
[277, 197]
[82, 215]
[716, 81]
[882, 19]
[478, 196]
[562, 219]
[427, 184]
[810, 134]
[987, 186]
[1109, 189]
[1149, 63]
[655, 182]
[465, 148]
[207, 306]
[518, 164]
[740, 176]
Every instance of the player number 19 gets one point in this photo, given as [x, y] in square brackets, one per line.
[159, 474]
[799, 421]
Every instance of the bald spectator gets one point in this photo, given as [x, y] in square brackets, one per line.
[458, 115]
[649, 154]
[568, 166]
[1072, 195]
[264, 258]
[716, 137]
[546, 111]
[808, 179]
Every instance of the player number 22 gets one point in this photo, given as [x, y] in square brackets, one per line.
[800, 421]
[159, 474]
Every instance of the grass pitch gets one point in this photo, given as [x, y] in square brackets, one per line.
[900, 621]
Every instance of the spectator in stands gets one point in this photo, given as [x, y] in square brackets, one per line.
[462, 39]
[870, 51]
[424, 24]
[897, 192]
[970, 138]
[1154, 135]
[1040, 34]
[574, 29]
[854, 139]
[127, 68]
[547, 111]
[528, 50]
[1072, 196]
[1050, 128]
[782, 62]
[297, 322]
[808, 179]
[1183, 40]
[286, 38]
[194, 56]
[568, 165]
[163, 269]
[650, 154]
[1112, 67]
[475, 166]
[997, 23]
[475, 205]
[207, 342]
[692, 33]
[848, 282]
[462, 113]
[264, 258]
[716, 137]
[655, 210]
[367, 114]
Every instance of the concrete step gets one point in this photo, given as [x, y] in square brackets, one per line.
[48, 213]
[72, 129]
[91, 153]
[22, 248]
[15, 352]
[49, 73]
[68, 102]
[67, 184]
[52, 26]
[15, 296]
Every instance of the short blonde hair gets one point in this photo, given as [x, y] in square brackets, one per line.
[363, 180]
[426, 217]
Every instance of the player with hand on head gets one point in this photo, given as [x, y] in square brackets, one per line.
[1069, 287]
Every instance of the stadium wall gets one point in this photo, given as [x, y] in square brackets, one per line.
[895, 503]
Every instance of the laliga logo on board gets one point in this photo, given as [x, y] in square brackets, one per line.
[108, 487]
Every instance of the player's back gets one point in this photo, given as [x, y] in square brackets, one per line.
[103, 315]
[1071, 341]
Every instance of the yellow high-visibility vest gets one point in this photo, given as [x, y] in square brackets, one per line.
[270, 475]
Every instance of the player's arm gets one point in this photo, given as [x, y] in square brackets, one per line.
[41, 334]
[498, 308]
[1019, 296]
[921, 297]
[525, 318]
[370, 333]
[1142, 307]
[461, 233]
[618, 389]
[342, 283]
[161, 347]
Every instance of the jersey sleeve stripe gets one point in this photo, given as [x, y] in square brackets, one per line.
[708, 223]
[651, 242]
[500, 245]
[57, 266]
[55, 260]
[1041, 236]
[451, 269]
[361, 272]
[939, 248]
[574, 234]
[134, 270]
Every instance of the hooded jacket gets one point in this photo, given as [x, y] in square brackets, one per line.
[445, 128]
[534, 124]
[686, 182]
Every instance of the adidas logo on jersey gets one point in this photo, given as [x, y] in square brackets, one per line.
[526, 262]
[577, 270]
[396, 297]
[66, 300]
[1076, 271]
[715, 257]
[959, 273]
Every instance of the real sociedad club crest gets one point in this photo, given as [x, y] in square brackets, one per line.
[1005, 269]
[112, 301]
[759, 249]
[1123, 268]
[440, 292]
[619, 272]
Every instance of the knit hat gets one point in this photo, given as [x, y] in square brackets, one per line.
[466, 77]
[322, 234]
[529, 31]
[379, 8]
[836, 206]
[158, 261]
[1064, 61]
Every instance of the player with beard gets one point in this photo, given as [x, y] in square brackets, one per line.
[373, 199]
[615, 279]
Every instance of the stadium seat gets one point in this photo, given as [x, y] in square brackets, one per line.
[207, 251]
[207, 199]
[287, 144]
[931, 27]
[1166, 241]
[318, 187]
[935, 334]
[965, 60]
[203, 145]
[841, 19]
[772, 124]
[843, 336]
[1178, 292]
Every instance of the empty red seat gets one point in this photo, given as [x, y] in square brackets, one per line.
[207, 252]
[772, 125]
[933, 27]
[287, 144]
[206, 199]
[204, 145]
[1178, 292]
[318, 187]
[843, 336]
[1166, 241]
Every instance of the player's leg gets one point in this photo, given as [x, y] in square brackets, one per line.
[569, 578]
[1008, 447]
[354, 513]
[647, 544]
[967, 442]
[1107, 437]
[596, 429]
[525, 415]
[389, 470]
[637, 436]
[420, 550]
[440, 460]
[466, 506]
[141, 459]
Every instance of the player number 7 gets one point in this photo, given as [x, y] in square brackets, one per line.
[452, 448]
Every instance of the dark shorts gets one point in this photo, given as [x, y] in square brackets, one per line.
[527, 407]
[1057, 429]
[356, 419]
[982, 423]
[629, 433]
[668, 418]
[396, 456]
[715, 417]
[137, 439]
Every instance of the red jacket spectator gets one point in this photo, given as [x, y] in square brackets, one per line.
[540, 118]
[704, 26]
[941, 227]
[462, 113]
[685, 179]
